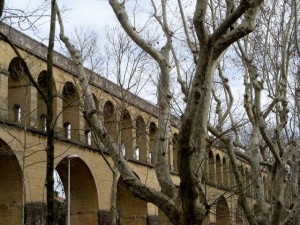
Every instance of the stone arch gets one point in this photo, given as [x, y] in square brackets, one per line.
[152, 144]
[88, 137]
[83, 192]
[131, 209]
[222, 212]
[41, 106]
[71, 111]
[211, 167]
[126, 133]
[110, 120]
[10, 186]
[219, 170]
[19, 92]
[141, 140]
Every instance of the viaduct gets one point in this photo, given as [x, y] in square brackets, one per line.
[23, 157]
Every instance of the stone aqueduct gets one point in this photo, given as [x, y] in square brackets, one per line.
[22, 133]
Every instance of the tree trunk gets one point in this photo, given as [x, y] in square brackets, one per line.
[49, 121]
[192, 141]
[1, 7]
[114, 194]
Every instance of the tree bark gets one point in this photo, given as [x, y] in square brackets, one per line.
[1, 7]
[49, 120]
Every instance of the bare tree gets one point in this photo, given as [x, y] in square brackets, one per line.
[185, 204]
[48, 99]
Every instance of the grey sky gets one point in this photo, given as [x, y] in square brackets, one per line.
[90, 14]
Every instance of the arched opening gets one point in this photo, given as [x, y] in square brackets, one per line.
[19, 92]
[71, 111]
[110, 120]
[43, 122]
[211, 165]
[83, 193]
[141, 141]
[88, 137]
[136, 153]
[17, 112]
[123, 149]
[60, 203]
[10, 186]
[41, 106]
[152, 139]
[131, 209]
[222, 212]
[68, 130]
[219, 170]
[126, 133]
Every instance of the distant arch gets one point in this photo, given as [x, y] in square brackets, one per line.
[211, 166]
[19, 91]
[152, 145]
[10, 186]
[110, 122]
[84, 198]
[41, 106]
[141, 141]
[71, 109]
[222, 212]
[131, 209]
[126, 132]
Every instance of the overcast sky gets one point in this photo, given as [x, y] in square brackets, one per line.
[87, 14]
